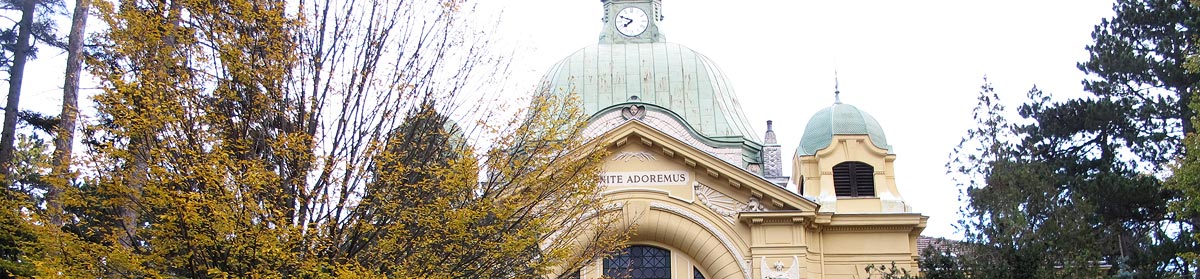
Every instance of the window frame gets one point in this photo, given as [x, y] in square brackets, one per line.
[857, 180]
[632, 258]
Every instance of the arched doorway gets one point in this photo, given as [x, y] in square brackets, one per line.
[696, 244]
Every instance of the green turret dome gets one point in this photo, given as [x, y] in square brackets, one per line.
[668, 75]
[840, 119]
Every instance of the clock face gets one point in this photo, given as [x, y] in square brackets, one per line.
[631, 21]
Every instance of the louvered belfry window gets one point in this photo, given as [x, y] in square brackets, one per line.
[854, 179]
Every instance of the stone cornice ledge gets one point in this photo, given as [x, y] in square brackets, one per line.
[777, 217]
[910, 220]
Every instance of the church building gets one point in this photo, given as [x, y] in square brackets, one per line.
[707, 193]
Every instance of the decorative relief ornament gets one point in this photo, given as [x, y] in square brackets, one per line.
[754, 205]
[773, 164]
[718, 202]
[633, 111]
[640, 156]
[754, 168]
[777, 271]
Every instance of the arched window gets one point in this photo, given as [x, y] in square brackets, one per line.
[696, 274]
[639, 262]
[854, 179]
[800, 188]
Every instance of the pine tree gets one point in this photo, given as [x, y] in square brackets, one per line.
[65, 130]
[30, 28]
[1185, 178]
[1079, 182]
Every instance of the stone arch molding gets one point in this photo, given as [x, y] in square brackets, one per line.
[664, 123]
[668, 226]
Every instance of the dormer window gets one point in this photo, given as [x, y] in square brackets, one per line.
[854, 179]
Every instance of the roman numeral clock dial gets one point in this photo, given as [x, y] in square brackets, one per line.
[632, 21]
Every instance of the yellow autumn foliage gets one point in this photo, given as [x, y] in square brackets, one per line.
[253, 139]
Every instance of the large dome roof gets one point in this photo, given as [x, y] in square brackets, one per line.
[839, 119]
[668, 75]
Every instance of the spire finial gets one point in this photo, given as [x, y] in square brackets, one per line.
[837, 98]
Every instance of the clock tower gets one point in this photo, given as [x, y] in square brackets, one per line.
[631, 21]
[706, 193]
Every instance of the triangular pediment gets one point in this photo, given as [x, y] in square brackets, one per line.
[645, 159]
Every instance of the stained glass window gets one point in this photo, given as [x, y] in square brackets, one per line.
[639, 262]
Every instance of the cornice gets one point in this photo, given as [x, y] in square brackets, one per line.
[705, 163]
[868, 228]
[871, 222]
[777, 217]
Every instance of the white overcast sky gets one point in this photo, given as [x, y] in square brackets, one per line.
[916, 66]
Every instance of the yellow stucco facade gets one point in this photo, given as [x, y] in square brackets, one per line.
[707, 195]
[709, 222]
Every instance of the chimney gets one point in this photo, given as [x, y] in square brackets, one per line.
[772, 159]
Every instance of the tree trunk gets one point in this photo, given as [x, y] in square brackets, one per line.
[140, 145]
[136, 182]
[70, 111]
[1185, 101]
[16, 75]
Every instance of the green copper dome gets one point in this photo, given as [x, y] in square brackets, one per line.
[840, 119]
[668, 75]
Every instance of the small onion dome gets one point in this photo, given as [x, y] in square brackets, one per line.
[840, 119]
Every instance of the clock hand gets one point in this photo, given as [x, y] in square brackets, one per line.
[630, 20]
